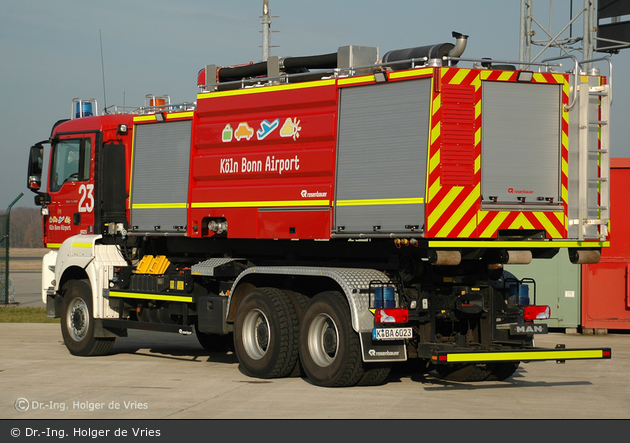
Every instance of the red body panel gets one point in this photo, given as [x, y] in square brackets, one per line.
[606, 285]
[266, 158]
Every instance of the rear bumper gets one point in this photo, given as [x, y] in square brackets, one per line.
[533, 354]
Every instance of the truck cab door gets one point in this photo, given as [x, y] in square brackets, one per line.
[71, 188]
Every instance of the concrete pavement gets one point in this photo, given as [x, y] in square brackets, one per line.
[153, 375]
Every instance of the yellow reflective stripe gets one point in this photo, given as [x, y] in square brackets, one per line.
[444, 205]
[527, 356]
[412, 73]
[179, 115]
[434, 189]
[355, 80]
[505, 76]
[494, 224]
[380, 201]
[517, 244]
[159, 206]
[144, 118]
[53, 245]
[260, 204]
[459, 77]
[470, 227]
[547, 224]
[437, 102]
[265, 89]
[460, 212]
[81, 245]
[521, 222]
[183, 298]
[173, 116]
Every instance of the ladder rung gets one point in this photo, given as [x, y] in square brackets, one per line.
[594, 221]
[598, 122]
[598, 93]
[594, 180]
[599, 151]
[598, 207]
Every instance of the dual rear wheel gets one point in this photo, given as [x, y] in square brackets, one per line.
[273, 327]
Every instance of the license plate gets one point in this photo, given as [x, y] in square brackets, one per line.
[391, 333]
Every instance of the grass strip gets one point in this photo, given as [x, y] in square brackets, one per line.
[25, 315]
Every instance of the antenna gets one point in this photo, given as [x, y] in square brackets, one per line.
[103, 70]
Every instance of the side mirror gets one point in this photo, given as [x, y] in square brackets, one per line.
[35, 167]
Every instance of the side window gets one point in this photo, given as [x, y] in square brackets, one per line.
[70, 162]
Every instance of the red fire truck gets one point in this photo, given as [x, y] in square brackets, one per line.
[331, 215]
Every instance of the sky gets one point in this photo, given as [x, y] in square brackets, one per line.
[50, 52]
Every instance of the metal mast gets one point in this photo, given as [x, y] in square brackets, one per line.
[266, 22]
[558, 39]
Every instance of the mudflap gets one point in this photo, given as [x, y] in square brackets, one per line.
[382, 350]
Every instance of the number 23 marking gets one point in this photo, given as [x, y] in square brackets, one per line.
[86, 204]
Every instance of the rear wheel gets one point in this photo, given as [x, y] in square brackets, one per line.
[330, 349]
[478, 372]
[265, 334]
[502, 371]
[77, 322]
[375, 374]
[464, 372]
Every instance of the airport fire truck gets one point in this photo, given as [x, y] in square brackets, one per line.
[329, 216]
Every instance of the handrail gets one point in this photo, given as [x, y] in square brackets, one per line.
[181, 107]
[336, 73]
[576, 74]
[487, 60]
[610, 73]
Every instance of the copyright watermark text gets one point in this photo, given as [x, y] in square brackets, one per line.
[23, 405]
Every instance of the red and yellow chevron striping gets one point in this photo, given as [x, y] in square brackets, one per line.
[453, 204]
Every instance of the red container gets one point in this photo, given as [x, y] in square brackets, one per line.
[606, 285]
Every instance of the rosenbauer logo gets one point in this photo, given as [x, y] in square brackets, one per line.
[519, 191]
[374, 353]
[306, 194]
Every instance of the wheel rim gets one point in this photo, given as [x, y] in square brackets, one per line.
[256, 334]
[323, 340]
[78, 319]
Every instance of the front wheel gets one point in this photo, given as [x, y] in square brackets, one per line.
[77, 322]
[330, 350]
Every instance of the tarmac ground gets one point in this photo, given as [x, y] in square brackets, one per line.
[154, 375]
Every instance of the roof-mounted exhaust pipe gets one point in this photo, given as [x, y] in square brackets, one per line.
[430, 52]
[460, 45]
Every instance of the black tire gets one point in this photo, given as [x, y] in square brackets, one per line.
[330, 350]
[464, 372]
[77, 322]
[502, 371]
[265, 334]
[300, 302]
[216, 342]
[375, 374]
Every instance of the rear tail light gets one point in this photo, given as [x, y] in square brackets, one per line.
[536, 312]
[393, 315]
